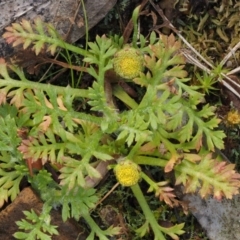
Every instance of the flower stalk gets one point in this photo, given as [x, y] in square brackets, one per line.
[147, 211]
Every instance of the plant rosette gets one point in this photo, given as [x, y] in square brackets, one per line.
[127, 173]
[128, 62]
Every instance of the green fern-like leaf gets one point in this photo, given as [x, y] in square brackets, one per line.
[36, 226]
[99, 103]
[8, 133]
[99, 54]
[44, 147]
[46, 108]
[208, 176]
[77, 202]
[134, 128]
[74, 171]
[101, 50]
[80, 201]
[205, 128]
[12, 167]
[37, 35]
[162, 63]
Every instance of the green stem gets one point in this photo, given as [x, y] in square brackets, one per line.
[71, 47]
[147, 179]
[124, 97]
[147, 211]
[101, 67]
[152, 161]
[94, 227]
[135, 26]
[85, 21]
[135, 148]
[86, 38]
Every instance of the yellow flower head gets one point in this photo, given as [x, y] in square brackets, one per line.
[233, 117]
[128, 63]
[127, 173]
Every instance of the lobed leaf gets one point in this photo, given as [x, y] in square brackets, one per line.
[208, 176]
[37, 227]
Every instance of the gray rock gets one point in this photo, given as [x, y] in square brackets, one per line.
[220, 219]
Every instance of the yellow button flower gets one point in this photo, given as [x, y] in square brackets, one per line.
[127, 173]
[233, 117]
[128, 63]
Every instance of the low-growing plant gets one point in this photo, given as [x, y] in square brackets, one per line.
[140, 110]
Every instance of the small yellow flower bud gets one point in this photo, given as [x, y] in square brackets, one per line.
[233, 117]
[128, 63]
[127, 173]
